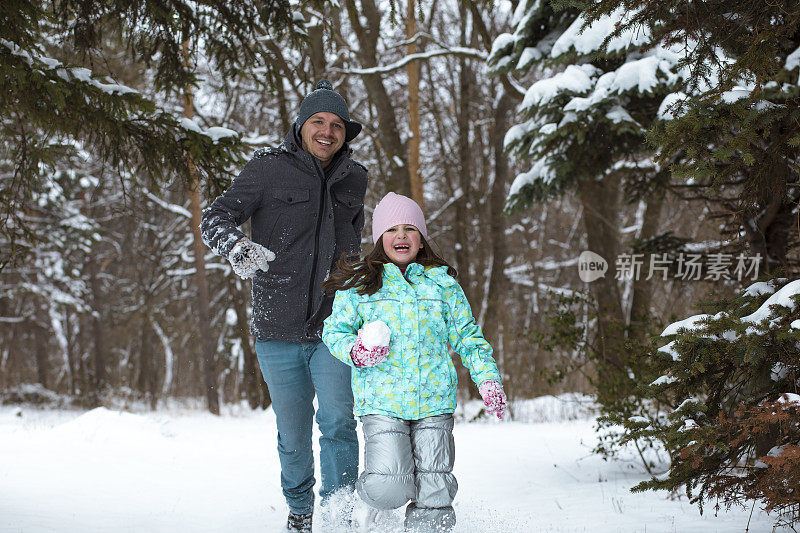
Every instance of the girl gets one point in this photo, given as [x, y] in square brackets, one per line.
[404, 382]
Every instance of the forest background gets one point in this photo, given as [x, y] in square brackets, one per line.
[122, 120]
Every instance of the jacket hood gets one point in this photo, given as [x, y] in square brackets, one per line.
[415, 272]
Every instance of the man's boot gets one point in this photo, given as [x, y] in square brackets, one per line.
[299, 522]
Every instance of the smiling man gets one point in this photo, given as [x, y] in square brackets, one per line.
[305, 201]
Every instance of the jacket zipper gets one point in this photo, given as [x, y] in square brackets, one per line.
[321, 175]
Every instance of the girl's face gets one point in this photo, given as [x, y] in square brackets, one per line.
[401, 244]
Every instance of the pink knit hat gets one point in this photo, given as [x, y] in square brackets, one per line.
[397, 209]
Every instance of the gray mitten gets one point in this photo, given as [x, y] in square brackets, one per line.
[246, 257]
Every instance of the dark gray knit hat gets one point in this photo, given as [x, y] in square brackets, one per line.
[324, 98]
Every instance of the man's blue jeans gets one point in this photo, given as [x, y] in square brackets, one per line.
[293, 372]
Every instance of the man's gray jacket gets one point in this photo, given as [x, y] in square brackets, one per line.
[306, 219]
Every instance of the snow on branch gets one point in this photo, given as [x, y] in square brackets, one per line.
[414, 39]
[177, 209]
[575, 79]
[782, 298]
[66, 73]
[541, 171]
[455, 50]
[456, 196]
[585, 40]
[215, 133]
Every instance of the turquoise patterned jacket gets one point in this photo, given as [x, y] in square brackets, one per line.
[424, 310]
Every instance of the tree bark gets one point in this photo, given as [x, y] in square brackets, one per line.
[99, 377]
[84, 380]
[318, 63]
[462, 219]
[147, 369]
[497, 285]
[254, 385]
[642, 287]
[71, 341]
[201, 280]
[413, 108]
[40, 342]
[286, 119]
[600, 200]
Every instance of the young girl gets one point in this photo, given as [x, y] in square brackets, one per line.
[393, 316]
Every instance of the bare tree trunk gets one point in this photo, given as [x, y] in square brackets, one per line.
[201, 280]
[643, 288]
[498, 284]
[387, 131]
[71, 341]
[465, 254]
[341, 53]
[600, 200]
[496, 293]
[413, 108]
[204, 313]
[84, 381]
[286, 119]
[254, 385]
[318, 64]
[462, 219]
[100, 378]
[147, 369]
[40, 333]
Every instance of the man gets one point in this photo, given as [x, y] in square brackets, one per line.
[305, 200]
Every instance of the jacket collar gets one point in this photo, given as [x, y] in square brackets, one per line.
[415, 273]
[392, 272]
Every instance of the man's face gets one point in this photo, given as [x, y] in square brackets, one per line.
[323, 136]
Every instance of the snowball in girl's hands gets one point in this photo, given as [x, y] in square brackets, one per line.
[369, 357]
[375, 333]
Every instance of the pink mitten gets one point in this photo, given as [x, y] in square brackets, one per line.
[363, 356]
[493, 398]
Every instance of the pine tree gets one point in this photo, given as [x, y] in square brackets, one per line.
[730, 397]
[596, 96]
[736, 120]
[730, 377]
[52, 109]
[583, 125]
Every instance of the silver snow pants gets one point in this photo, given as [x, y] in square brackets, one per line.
[410, 460]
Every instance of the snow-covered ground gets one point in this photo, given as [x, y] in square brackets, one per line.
[181, 469]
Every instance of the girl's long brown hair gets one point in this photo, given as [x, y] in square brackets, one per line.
[367, 273]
